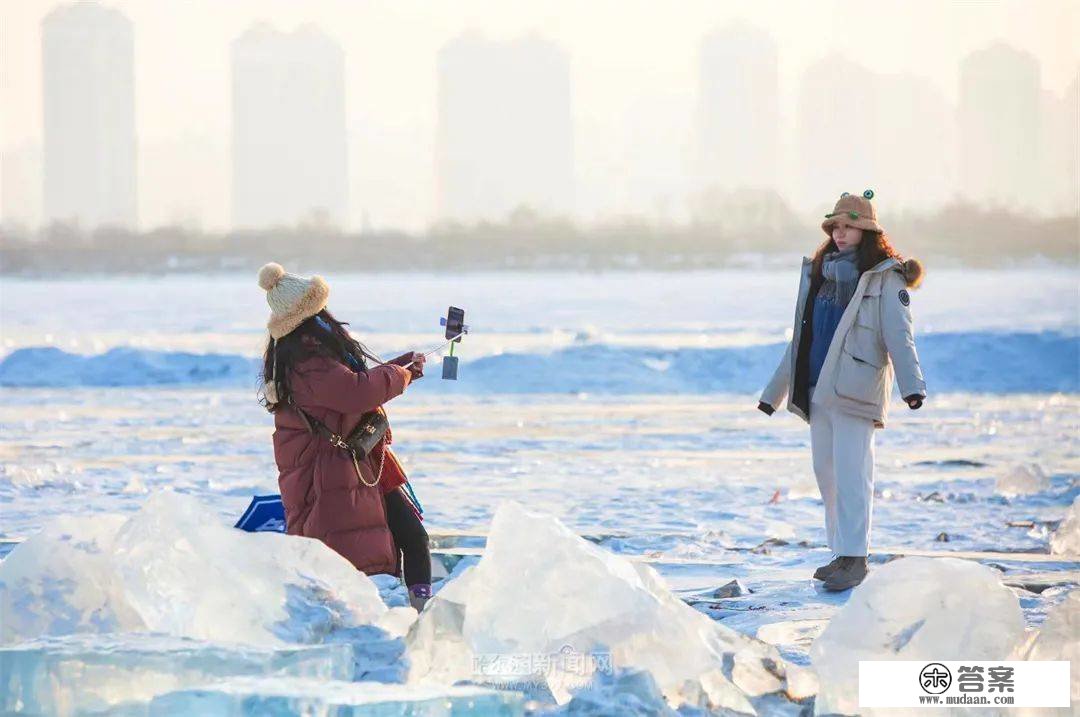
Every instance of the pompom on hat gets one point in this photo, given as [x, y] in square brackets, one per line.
[853, 211]
[293, 299]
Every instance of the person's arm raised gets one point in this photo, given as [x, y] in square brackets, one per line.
[324, 382]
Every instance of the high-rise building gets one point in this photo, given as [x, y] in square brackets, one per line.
[88, 116]
[837, 131]
[1000, 127]
[1061, 150]
[289, 147]
[738, 119]
[505, 135]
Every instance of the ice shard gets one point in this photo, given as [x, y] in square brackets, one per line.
[1066, 539]
[915, 609]
[100, 610]
[1058, 638]
[174, 568]
[547, 608]
[1022, 479]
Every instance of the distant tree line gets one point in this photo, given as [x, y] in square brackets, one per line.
[730, 230]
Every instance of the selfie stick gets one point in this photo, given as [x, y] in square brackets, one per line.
[440, 347]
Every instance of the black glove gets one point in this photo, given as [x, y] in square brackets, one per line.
[914, 401]
[765, 408]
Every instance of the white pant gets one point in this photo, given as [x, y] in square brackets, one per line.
[843, 451]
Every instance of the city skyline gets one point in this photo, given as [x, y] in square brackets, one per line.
[656, 156]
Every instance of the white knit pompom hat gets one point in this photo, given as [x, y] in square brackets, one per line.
[293, 299]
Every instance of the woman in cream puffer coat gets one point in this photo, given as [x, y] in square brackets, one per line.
[853, 334]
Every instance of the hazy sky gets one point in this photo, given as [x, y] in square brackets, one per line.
[628, 59]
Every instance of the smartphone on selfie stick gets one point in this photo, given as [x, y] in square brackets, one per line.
[455, 329]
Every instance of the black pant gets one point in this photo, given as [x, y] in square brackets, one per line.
[410, 537]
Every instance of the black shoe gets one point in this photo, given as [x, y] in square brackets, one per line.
[826, 570]
[851, 571]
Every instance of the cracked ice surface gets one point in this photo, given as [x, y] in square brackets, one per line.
[670, 478]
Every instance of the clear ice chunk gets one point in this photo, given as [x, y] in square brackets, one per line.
[1022, 479]
[546, 607]
[92, 608]
[175, 568]
[1059, 638]
[85, 673]
[627, 693]
[914, 609]
[269, 697]
[1066, 539]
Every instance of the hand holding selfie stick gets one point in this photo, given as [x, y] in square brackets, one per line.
[439, 348]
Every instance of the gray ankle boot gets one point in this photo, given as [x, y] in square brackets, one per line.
[419, 595]
[850, 572]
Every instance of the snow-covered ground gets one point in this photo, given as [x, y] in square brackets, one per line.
[623, 404]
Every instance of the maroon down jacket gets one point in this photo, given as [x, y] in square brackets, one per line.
[323, 497]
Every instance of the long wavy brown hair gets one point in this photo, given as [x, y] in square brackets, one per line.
[874, 248]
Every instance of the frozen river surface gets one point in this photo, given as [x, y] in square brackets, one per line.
[622, 404]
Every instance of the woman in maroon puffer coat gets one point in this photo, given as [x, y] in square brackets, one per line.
[313, 369]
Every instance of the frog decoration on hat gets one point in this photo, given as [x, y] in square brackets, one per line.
[854, 211]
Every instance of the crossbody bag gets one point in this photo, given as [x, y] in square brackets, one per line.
[365, 437]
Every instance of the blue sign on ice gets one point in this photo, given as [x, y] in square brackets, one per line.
[265, 514]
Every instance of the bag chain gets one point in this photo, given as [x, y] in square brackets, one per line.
[382, 462]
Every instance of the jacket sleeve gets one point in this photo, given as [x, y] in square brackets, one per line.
[897, 329]
[777, 390]
[324, 382]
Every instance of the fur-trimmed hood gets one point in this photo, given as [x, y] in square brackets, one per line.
[913, 272]
[910, 269]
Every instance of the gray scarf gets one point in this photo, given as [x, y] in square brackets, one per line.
[840, 269]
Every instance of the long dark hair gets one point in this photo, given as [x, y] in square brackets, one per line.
[874, 248]
[308, 339]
